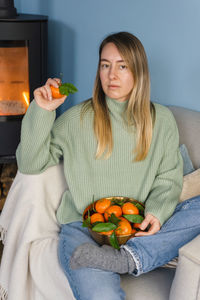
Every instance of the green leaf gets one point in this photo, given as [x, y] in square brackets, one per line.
[93, 206]
[67, 88]
[104, 227]
[134, 218]
[88, 212]
[116, 201]
[95, 223]
[140, 207]
[86, 222]
[113, 241]
[113, 219]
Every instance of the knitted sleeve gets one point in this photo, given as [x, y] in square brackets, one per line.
[41, 144]
[167, 186]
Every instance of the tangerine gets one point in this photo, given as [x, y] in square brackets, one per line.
[124, 228]
[113, 209]
[86, 211]
[123, 219]
[102, 204]
[107, 232]
[96, 217]
[129, 208]
[55, 92]
[136, 225]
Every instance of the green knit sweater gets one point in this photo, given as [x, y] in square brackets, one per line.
[156, 181]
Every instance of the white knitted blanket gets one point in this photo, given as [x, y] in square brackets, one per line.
[29, 231]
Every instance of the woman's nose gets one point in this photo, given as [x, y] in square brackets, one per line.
[112, 73]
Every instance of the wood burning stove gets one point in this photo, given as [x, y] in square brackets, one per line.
[23, 67]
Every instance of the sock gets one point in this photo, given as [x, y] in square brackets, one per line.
[105, 258]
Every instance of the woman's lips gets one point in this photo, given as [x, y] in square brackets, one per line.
[113, 86]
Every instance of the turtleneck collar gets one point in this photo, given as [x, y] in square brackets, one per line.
[116, 106]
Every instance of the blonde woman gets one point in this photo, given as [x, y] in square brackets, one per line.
[118, 143]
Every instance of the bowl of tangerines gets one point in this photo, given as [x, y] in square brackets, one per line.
[113, 220]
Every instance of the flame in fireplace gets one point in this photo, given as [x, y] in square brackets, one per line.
[26, 98]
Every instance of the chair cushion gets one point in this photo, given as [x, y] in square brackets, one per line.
[191, 186]
[153, 285]
[186, 281]
[188, 122]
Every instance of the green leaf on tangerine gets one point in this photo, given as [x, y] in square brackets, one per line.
[67, 88]
[116, 201]
[95, 223]
[113, 241]
[113, 219]
[86, 222]
[104, 227]
[134, 218]
[140, 207]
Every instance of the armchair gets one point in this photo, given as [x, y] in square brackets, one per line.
[29, 230]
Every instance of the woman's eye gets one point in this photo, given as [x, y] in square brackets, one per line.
[122, 67]
[104, 66]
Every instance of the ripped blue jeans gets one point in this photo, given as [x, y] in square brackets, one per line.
[149, 252]
[153, 251]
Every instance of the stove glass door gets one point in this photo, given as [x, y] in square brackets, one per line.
[14, 78]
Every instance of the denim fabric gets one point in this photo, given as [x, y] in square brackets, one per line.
[153, 251]
[86, 283]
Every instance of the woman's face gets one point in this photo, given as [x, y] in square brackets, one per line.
[116, 77]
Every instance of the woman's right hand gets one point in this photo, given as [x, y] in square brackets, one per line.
[43, 95]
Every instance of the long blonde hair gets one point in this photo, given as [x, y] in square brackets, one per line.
[140, 111]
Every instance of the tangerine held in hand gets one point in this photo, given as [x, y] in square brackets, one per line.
[129, 208]
[113, 209]
[102, 204]
[136, 225]
[56, 92]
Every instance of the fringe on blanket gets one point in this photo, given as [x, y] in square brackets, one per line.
[171, 264]
[3, 294]
[2, 234]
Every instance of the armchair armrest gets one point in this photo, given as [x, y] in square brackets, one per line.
[192, 250]
[186, 283]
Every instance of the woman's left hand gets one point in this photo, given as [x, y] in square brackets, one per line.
[152, 222]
